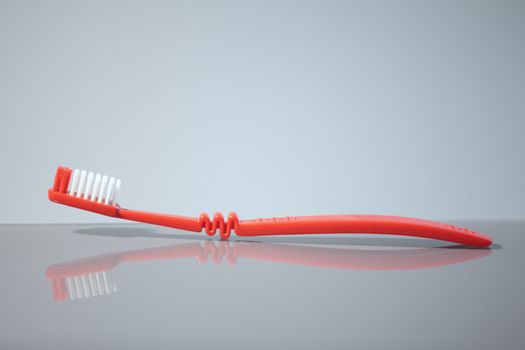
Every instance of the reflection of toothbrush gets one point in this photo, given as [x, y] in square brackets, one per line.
[96, 193]
[93, 276]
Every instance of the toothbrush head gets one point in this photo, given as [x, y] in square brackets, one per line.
[86, 190]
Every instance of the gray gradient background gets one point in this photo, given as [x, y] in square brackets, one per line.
[267, 108]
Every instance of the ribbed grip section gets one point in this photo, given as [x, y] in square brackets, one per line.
[225, 227]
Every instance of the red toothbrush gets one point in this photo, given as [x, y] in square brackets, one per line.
[98, 193]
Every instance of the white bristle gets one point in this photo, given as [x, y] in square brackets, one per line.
[91, 285]
[111, 189]
[89, 185]
[74, 182]
[102, 189]
[118, 184]
[96, 187]
[81, 183]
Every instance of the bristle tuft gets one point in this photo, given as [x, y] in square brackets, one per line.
[96, 187]
[118, 184]
[81, 183]
[89, 185]
[74, 182]
[103, 187]
[111, 189]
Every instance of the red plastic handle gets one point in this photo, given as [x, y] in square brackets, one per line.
[290, 225]
[378, 224]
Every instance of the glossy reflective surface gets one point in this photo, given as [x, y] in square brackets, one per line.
[129, 286]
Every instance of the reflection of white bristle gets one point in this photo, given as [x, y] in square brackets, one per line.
[91, 285]
[94, 187]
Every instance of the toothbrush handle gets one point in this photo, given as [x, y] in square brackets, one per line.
[378, 224]
[291, 225]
